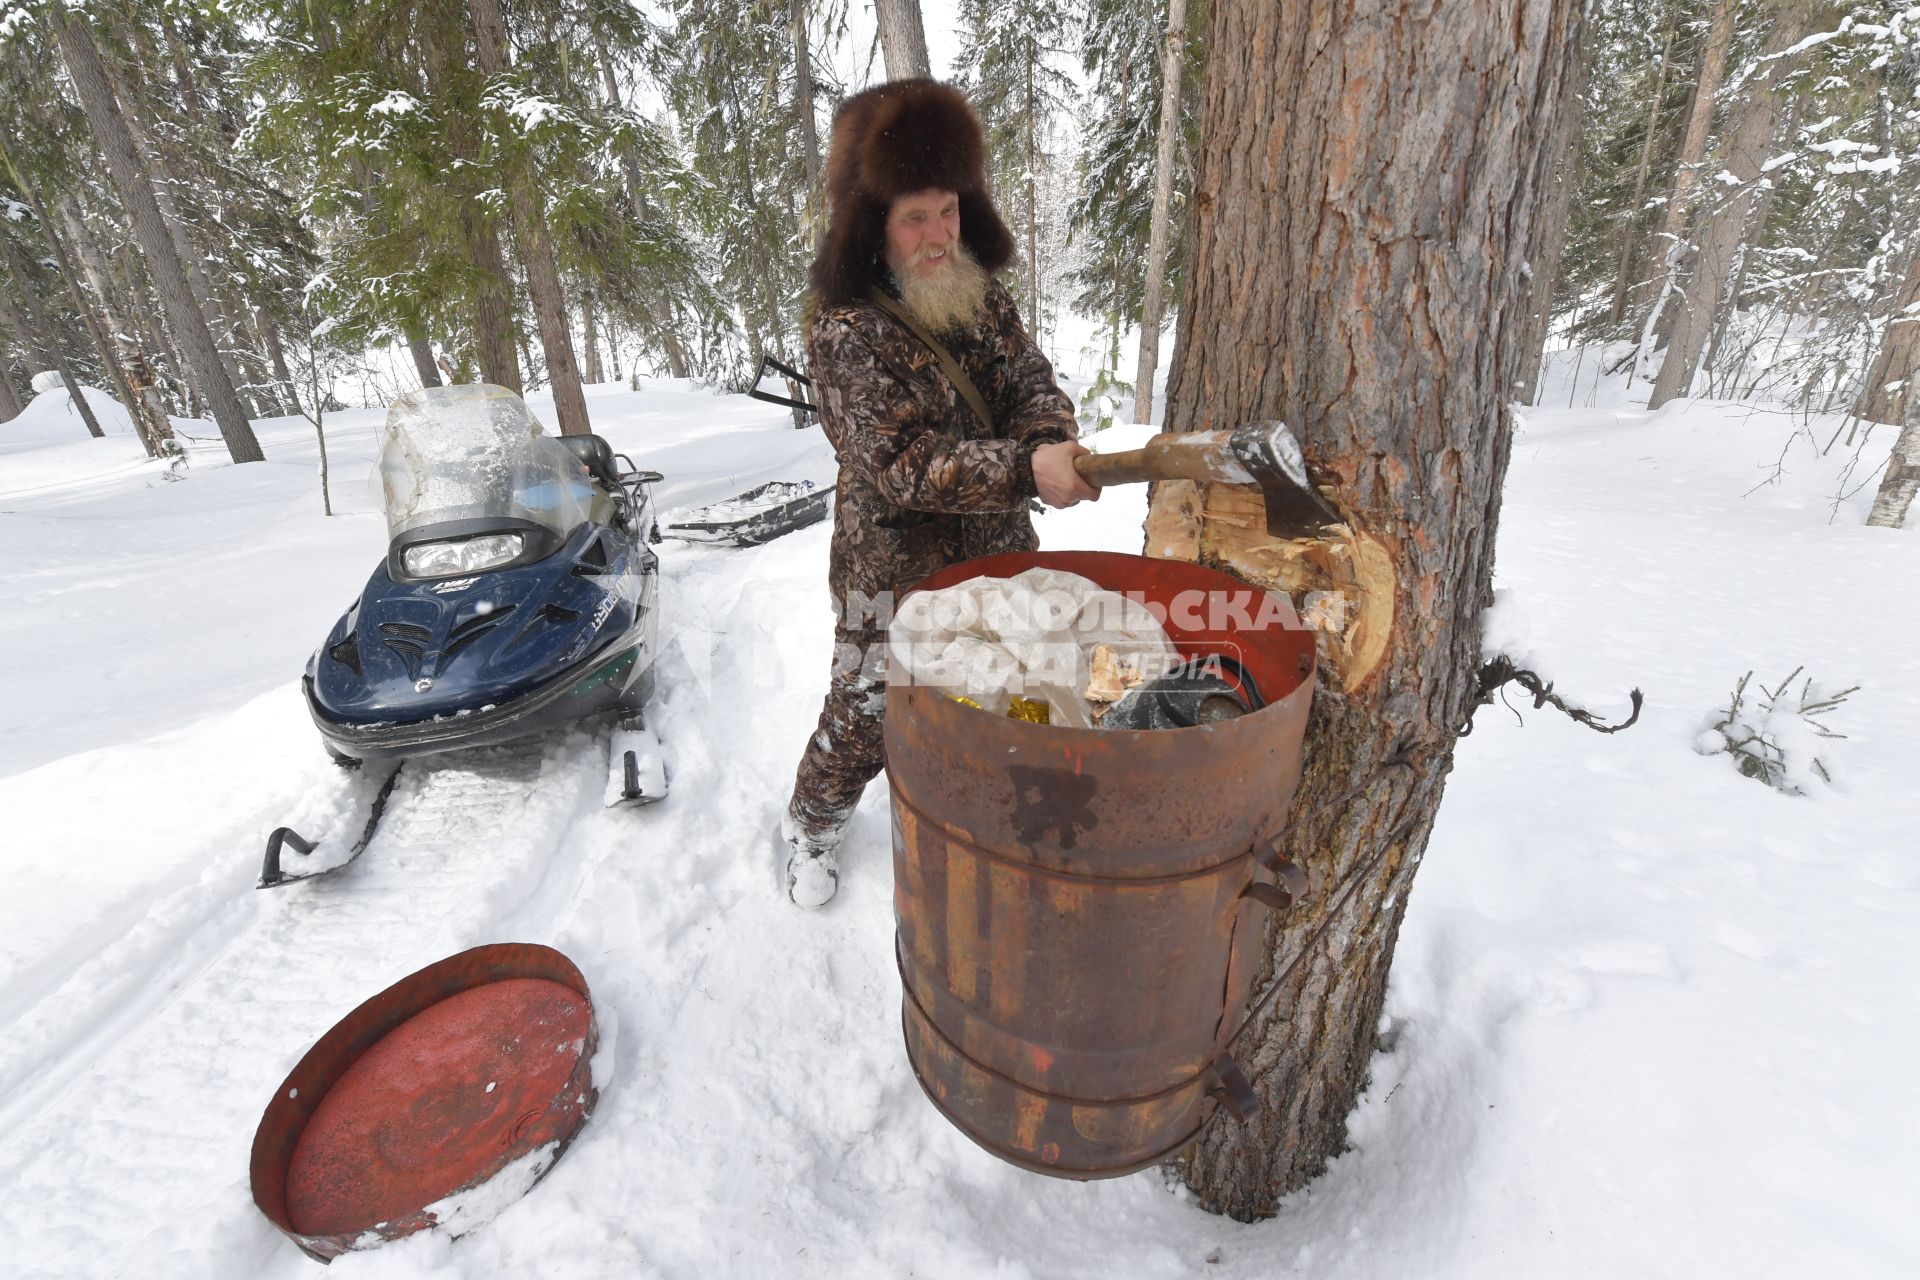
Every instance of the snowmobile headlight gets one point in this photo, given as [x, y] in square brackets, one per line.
[442, 559]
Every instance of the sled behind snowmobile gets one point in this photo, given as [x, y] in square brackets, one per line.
[759, 515]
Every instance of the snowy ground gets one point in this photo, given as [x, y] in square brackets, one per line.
[1654, 1017]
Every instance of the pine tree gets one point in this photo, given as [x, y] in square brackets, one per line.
[732, 87]
[1007, 66]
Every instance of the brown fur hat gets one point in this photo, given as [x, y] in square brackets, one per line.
[890, 141]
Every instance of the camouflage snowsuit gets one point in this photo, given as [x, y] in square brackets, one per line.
[923, 484]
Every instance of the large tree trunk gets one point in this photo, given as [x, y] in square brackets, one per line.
[903, 40]
[44, 332]
[1172, 45]
[1363, 190]
[1890, 378]
[1667, 245]
[1724, 228]
[89, 79]
[1623, 272]
[536, 249]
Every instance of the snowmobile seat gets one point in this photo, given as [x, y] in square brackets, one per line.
[598, 455]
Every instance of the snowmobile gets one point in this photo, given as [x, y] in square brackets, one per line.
[518, 593]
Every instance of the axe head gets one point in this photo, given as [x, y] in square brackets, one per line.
[1274, 461]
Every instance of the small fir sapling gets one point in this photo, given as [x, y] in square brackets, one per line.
[1776, 735]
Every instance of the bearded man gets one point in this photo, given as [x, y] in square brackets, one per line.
[931, 473]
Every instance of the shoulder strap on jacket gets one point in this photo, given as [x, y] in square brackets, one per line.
[948, 365]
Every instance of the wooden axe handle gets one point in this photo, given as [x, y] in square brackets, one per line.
[1165, 457]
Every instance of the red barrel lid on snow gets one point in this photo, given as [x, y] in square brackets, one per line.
[434, 1103]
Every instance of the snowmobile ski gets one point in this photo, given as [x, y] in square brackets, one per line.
[273, 875]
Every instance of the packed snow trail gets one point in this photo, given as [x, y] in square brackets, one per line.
[166, 1117]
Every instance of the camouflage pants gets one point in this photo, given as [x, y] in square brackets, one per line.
[848, 747]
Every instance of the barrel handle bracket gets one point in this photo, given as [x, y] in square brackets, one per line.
[1235, 1091]
[1293, 884]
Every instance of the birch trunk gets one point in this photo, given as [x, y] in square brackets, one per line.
[1357, 273]
[1902, 480]
[536, 249]
[1724, 227]
[89, 79]
[903, 39]
[1172, 47]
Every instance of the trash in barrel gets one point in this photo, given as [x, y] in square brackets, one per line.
[436, 1103]
[1080, 910]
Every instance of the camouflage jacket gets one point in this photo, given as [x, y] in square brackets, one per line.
[923, 482]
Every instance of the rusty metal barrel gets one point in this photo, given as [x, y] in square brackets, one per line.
[1079, 910]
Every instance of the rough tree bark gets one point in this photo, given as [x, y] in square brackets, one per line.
[1723, 228]
[89, 78]
[45, 336]
[1366, 174]
[903, 40]
[1172, 46]
[1890, 378]
[1693, 149]
[536, 248]
[1622, 275]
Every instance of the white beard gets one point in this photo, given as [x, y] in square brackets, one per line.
[949, 299]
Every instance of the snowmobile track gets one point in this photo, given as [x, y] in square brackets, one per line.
[172, 1104]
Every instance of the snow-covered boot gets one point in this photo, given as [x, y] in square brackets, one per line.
[813, 861]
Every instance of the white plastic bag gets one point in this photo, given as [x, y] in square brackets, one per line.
[1029, 636]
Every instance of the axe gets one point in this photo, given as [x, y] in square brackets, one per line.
[1262, 453]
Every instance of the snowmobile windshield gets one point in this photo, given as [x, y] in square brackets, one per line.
[474, 453]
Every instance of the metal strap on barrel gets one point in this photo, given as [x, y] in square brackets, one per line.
[1235, 1091]
[1292, 886]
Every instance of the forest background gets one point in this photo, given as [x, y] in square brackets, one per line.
[242, 209]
